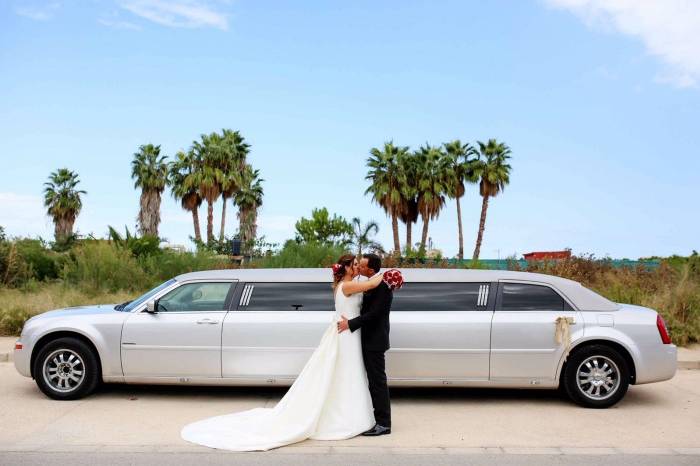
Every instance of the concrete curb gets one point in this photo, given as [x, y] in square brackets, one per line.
[337, 450]
[682, 365]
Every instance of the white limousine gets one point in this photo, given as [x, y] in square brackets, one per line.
[468, 328]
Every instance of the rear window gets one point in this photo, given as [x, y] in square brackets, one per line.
[526, 297]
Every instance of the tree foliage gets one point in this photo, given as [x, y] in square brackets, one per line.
[322, 228]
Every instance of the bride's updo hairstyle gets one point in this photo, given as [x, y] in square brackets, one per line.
[339, 267]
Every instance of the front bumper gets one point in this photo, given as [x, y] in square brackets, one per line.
[22, 358]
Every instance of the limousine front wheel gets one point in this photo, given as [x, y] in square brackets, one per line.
[66, 369]
[596, 376]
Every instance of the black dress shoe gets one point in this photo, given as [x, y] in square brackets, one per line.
[377, 430]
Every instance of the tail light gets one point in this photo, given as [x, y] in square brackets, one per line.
[18, 346]
[663, 332]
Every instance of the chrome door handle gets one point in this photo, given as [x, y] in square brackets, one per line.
[207, 321]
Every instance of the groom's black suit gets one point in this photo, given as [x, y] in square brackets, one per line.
[374, 322]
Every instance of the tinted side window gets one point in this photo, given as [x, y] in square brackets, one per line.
[200, 296]
[287, 297]
[440, 297]
[523, 297]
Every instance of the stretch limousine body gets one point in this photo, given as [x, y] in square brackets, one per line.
[475, 328]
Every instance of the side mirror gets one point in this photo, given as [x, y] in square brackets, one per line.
[151, 307]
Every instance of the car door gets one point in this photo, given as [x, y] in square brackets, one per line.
[274, 329]
[523, 346]
[183, 337]
[440, 331]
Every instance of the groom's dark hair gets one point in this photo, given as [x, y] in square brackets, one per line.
[374, 262]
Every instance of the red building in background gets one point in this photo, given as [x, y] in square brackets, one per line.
[547, 255]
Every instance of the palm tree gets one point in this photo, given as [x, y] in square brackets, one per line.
[459, 168]
[150, 171]
[209, 176]
[184, 187]
[494, 172]
[249, 199]
[386, 179]
[431, 186]
[63, 202]
[232, 163]
[361, 234]
[409, 194]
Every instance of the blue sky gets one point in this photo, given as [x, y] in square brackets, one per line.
[599, 102]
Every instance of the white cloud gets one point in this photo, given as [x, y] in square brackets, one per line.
[115, 24]
[23, 215]
[669, 29]
[177, 13]
[38, 12]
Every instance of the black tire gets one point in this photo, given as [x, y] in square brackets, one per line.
[601, 355]
[83, 360]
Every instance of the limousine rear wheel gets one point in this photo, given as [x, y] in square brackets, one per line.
[596, 376]
[66, 369]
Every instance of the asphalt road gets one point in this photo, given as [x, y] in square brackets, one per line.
[138, 422]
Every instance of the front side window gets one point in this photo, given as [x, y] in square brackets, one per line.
[440, 297]
[287, 297]
[526, 297]
[196, 297]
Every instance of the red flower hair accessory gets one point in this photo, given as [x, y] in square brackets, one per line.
[336, 268]
[393, 279]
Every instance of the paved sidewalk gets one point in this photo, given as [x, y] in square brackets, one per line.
[653, 419]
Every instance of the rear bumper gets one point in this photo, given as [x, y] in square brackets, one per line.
[657, 363]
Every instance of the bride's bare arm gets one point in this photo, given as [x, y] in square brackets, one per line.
[350, 288]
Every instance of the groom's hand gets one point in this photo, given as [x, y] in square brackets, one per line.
[343, 324]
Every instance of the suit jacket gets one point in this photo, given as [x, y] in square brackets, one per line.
[374, 318]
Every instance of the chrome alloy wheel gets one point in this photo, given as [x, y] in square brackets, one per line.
[598, 377]
[64, 370]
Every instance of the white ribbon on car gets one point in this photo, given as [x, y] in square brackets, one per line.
[562, 333]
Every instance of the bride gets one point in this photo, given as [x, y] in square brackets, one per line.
[329, 400]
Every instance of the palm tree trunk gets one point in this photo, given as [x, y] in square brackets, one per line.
[223, 220]
[210, 222]
[195, 221]
[408, 236]
[395, 228]
[460, 254]
[424, 237]
[482, 225]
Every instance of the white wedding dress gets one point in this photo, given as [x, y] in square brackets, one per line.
[329, 400]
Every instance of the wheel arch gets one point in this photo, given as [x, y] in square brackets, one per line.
[617, 346]
[49, 337]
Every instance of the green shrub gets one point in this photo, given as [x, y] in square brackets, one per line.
[98, 266]
[302, 255]
[169, 264]
[45, 263]
[14, 269]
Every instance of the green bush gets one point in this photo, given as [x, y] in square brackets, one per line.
[45, 263]
[15, 271]
[169, 264]
[98, 266]
[303, 255]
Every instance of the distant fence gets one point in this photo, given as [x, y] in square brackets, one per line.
[502, 264]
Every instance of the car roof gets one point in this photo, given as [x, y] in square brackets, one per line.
[581, 297]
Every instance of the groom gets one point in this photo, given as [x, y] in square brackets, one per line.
[374, 322]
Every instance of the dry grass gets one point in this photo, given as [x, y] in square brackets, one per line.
[17, 305]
